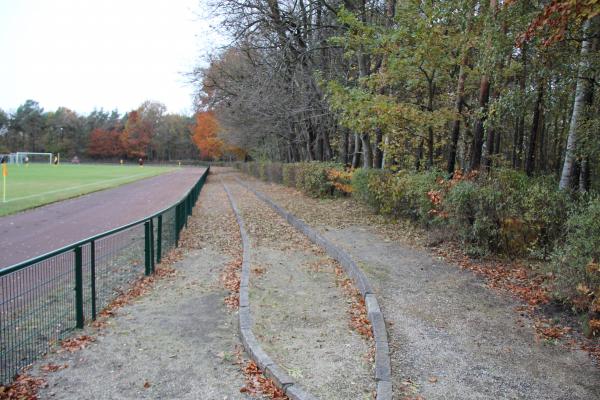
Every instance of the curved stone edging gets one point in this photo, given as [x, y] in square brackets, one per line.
[253, 348]
[383, 370]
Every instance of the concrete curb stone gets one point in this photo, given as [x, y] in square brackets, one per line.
[294, 392]
[383, 369]
[384, 390]
[258, 355]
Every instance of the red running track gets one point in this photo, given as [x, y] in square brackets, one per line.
[39, 231]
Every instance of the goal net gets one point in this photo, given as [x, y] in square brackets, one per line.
[24, 157]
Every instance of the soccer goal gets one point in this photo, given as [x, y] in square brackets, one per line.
[23, 157]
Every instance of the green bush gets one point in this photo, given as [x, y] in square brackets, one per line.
[412, 198]
[253, 169]
[545, 210]
[575, 262]
[309, 177]
[475, 212]
[368, 186]
[274, 172]
[300, 172]
[506, 212]
[289, 174]
[312, 178]
[261, 170]
[400, 194]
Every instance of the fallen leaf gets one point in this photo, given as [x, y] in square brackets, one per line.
[53, 367]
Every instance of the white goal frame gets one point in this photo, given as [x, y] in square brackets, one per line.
[19, 156]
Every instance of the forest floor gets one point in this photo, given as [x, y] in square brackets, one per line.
[458, 328]
[300, 308]
[454, 334]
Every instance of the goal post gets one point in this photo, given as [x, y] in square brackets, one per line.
[21, 157]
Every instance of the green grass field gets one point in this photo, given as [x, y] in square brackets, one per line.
[39, 184]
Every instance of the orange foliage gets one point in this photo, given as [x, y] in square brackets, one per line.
[136, 136]
[341, 180]
[105, 143]
[204, 135]
[556, 17]
[236, 152]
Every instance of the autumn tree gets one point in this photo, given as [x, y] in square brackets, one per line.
[204, 134]
[105, 144]
[136, 137]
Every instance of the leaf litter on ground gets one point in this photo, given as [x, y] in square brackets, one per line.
[514, 277]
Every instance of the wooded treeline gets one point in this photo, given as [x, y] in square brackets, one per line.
[458, 84]
[148, 132]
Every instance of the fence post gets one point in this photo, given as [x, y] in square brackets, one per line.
[187, 209]
[147, 245]
[159, 239]
[152, 244]
[177, 224]
[93, 277]
[79, 318]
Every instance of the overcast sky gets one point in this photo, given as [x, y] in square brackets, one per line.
[86, 54]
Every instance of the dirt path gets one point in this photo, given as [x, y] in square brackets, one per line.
[451, 336]
[177, 342]
[32, 233]
[300, 311]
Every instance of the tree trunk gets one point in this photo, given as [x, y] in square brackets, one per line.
[531, 149]
[386, 142]
[320, 147]
[430, 148]
[419, 155]
[344, 149]
[542, 160]
[497, 141]
[583, 92]
[367, 151]
[477, 144]
[356, 155]
[491, 136]
[327, 153]
[489, 147]
[458, 106]
[378, 160]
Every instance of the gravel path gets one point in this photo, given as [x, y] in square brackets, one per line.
[451, 336]
[300, 312]
[41, 230]
[177, 342]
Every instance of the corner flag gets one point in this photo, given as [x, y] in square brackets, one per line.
[4, 175]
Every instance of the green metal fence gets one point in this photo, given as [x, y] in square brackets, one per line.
[44, 299]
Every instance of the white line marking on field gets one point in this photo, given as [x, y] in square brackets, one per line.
[74, 187]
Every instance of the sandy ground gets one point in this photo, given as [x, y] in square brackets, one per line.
[300, 313]
[177, 342]
[451, 336]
